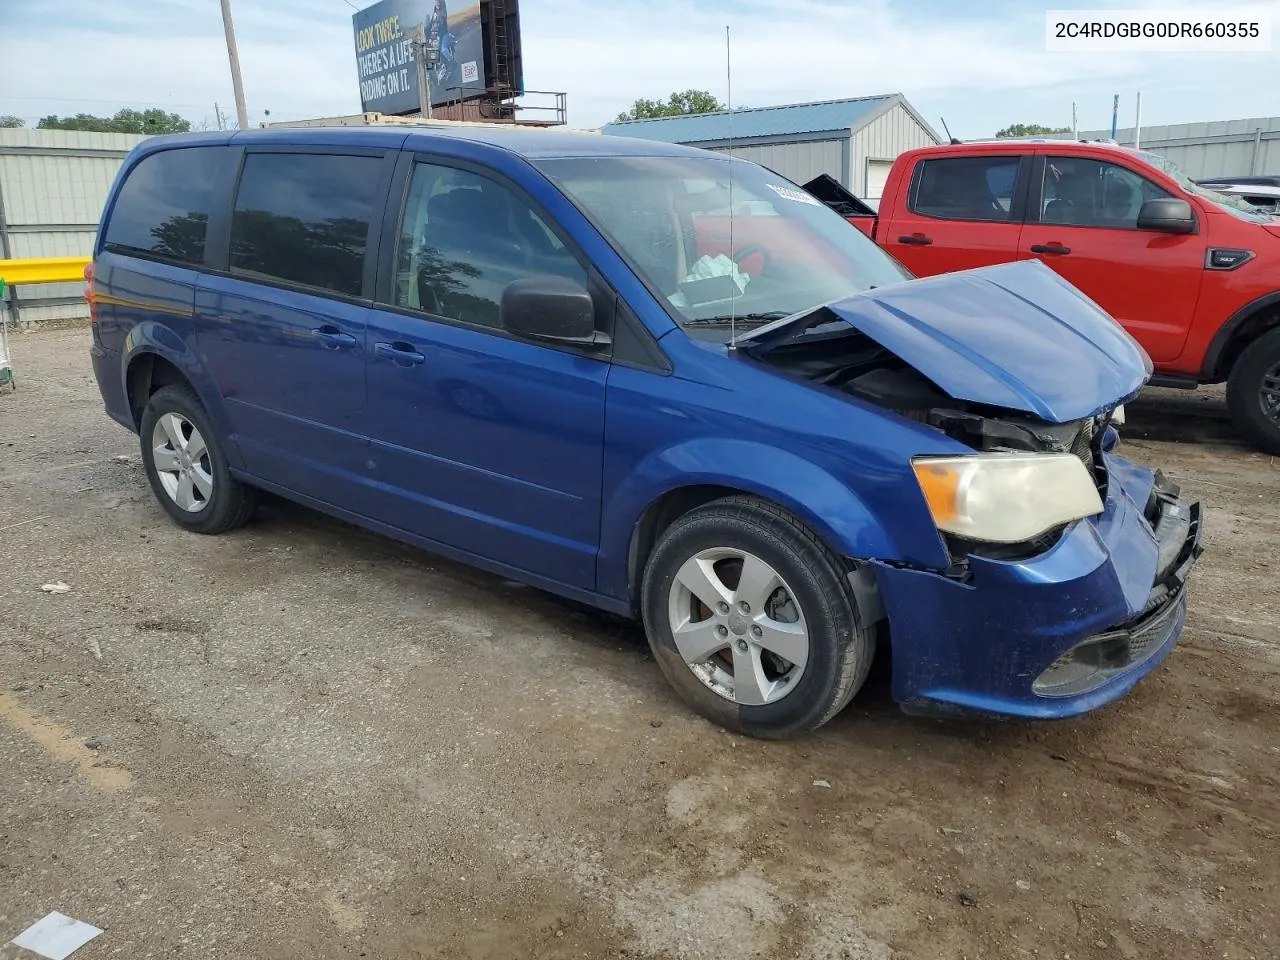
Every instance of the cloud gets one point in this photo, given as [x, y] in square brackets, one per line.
[985, 65]
[172, 54]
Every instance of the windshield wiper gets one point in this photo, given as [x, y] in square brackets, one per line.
[724, 321]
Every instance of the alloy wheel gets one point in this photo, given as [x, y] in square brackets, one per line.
[738, 626]
[1269, 393]
[181, 459]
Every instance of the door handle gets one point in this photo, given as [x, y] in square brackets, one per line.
[333, 338]
[400, 353]
[1055, 248]
[915, 240]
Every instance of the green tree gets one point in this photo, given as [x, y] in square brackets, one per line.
[1030, 130]
[11, 121]
[154, 120]
[678, 104]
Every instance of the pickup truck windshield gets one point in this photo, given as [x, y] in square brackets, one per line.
[1241, 208]
[710, 245]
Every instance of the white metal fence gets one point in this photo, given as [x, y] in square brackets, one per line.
[53, 184]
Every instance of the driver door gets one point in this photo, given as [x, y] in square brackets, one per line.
[482, 441]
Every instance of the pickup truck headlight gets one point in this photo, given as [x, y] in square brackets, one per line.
[1006, 497]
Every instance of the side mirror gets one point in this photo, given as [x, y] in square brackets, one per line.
[551, 308]
[1167, 215]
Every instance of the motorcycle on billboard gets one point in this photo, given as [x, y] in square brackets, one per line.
[440, 43]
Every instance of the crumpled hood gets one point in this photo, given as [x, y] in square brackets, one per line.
[1015, 335]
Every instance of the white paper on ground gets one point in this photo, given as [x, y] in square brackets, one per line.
[56, 936]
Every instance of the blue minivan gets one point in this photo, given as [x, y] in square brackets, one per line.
[661, 381]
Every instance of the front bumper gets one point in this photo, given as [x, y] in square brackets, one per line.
[1061, 633]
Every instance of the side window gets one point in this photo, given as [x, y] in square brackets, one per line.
[304, 218]
[163, 207]
[463, 238]
[1093, 193]
[966, 188]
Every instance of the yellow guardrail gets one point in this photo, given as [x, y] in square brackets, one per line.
[42, 270]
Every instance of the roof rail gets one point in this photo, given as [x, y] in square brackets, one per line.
[1062, 139]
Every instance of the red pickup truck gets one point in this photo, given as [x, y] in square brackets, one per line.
[1192, 274]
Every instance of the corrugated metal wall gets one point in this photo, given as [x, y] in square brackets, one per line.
[800, 161]
[883, 139]
[1221, 148]
[53, 184]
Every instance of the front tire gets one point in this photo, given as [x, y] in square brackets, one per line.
[1253, 392]
[752, 619]
[187, 466]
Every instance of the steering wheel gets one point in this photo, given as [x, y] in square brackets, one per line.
[747, 250]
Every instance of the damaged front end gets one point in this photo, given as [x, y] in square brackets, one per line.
[845, 360]
[883, 379]
[1009, 359]
[1067, 563]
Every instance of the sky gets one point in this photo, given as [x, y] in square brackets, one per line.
[981, 66]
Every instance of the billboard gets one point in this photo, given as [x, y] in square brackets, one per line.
[384, 52]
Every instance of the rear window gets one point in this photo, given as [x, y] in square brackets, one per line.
[162, 210]
[304, 218]
[966, 188]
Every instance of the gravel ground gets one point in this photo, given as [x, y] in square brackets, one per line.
[300, 740]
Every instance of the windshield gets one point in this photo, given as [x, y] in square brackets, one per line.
[1235, 205]
[757, 249]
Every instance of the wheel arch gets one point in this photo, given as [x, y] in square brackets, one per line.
[154, 356]
[657, 517]
[146, 373]
[1241, 329]
[629, 533]
[675, 503]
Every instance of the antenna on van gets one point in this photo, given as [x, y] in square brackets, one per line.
[953, 140]
[733, 280]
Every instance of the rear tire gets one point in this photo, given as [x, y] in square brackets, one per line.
[1253, 392]
[187, 467]
[732, 669]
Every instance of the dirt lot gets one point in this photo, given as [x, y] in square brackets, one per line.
[302, 741]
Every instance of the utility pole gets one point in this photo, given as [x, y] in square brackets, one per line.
[1075, 127]
[1137, 122]
[423, 60]
[242, 114]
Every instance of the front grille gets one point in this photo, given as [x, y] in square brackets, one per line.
[1091, 663]
[1152, 634]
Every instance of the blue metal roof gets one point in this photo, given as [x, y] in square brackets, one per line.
[754, 122]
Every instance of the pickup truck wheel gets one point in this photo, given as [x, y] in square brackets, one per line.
[186, 465]
[1253, 392]
[753, 621]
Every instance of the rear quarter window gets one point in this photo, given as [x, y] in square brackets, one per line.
[162, 210]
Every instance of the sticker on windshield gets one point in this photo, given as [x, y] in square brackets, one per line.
[791, 193]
